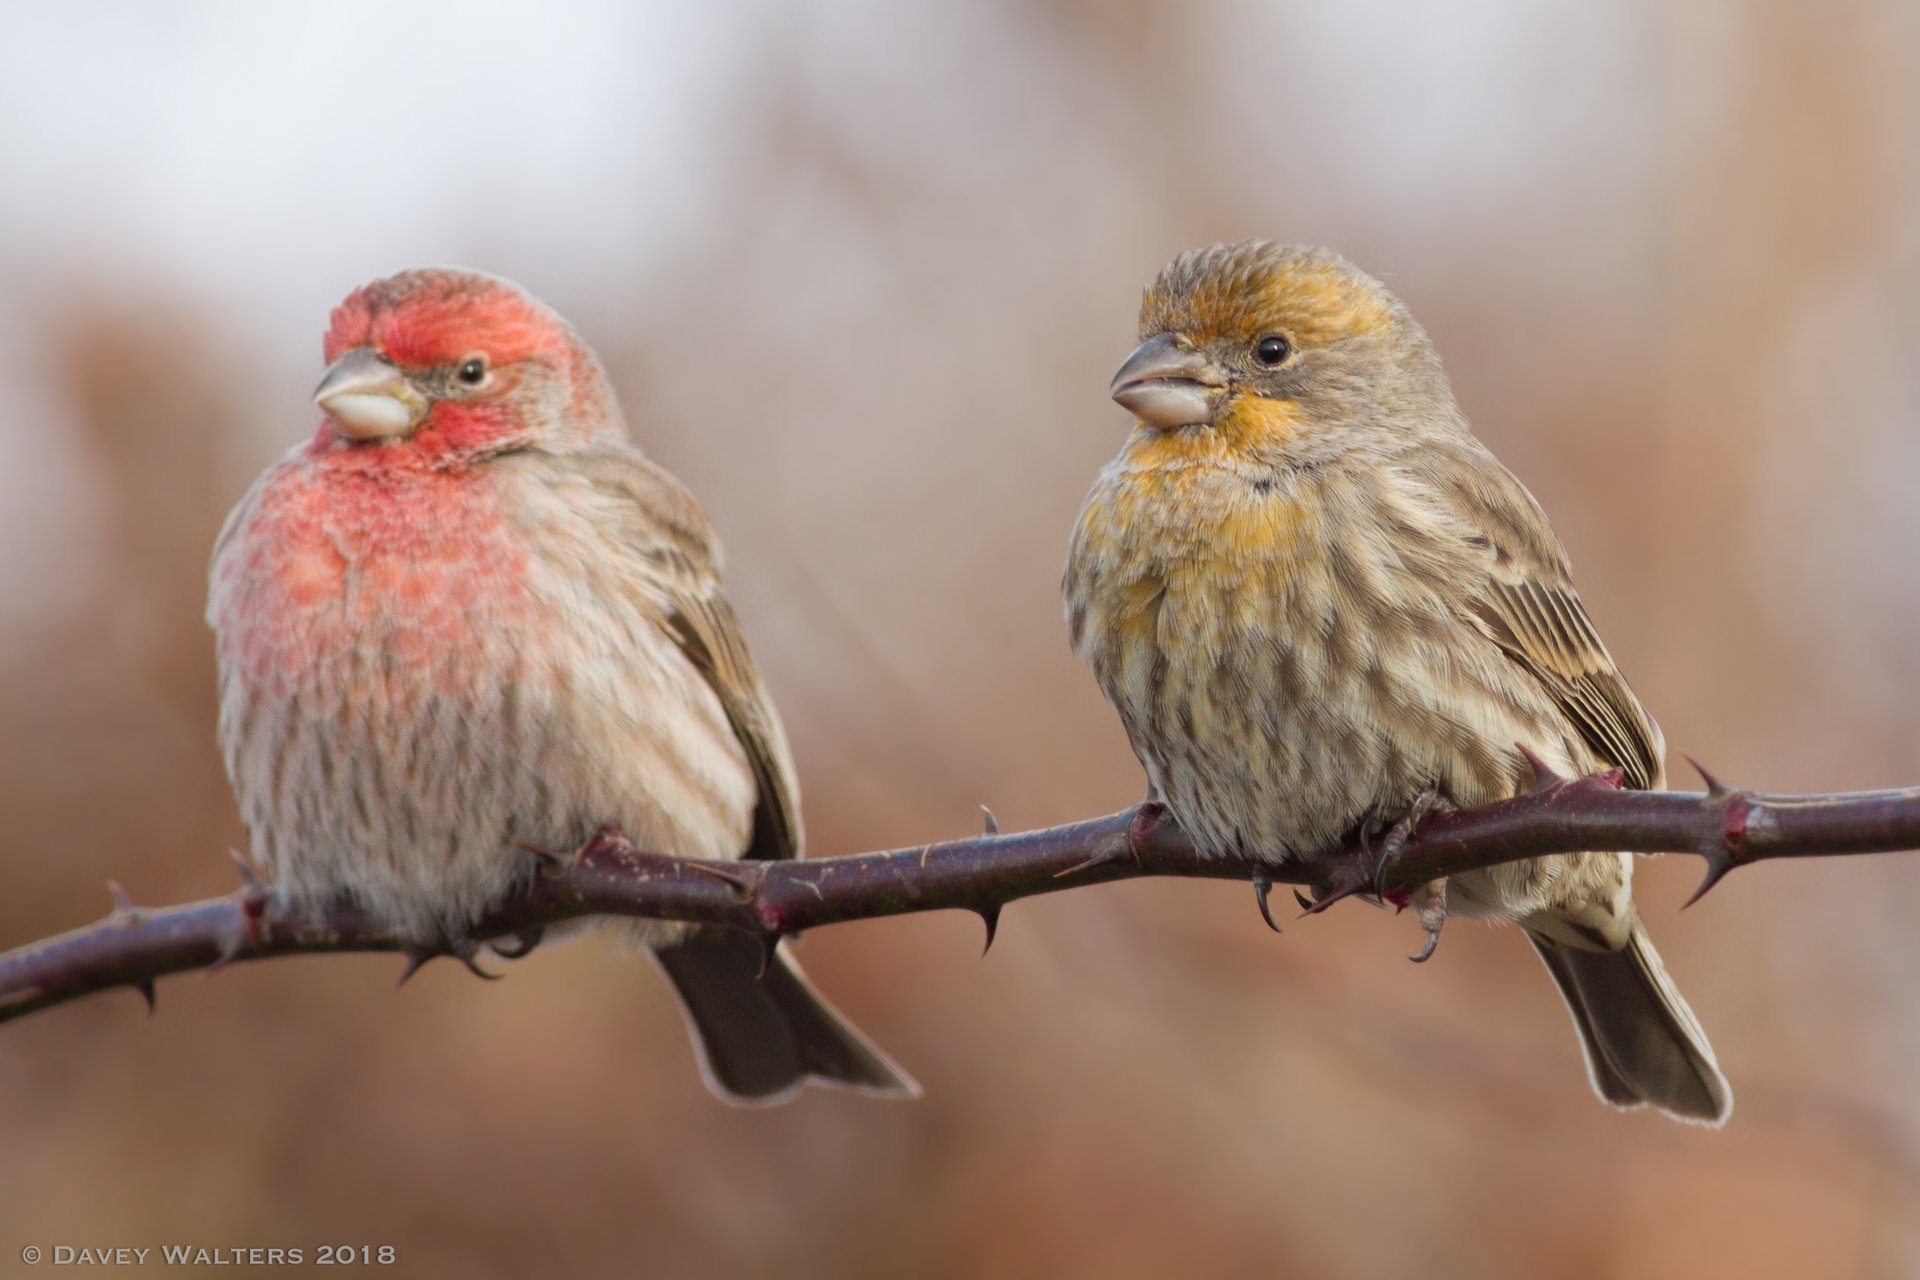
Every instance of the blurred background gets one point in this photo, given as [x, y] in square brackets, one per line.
[861, 278]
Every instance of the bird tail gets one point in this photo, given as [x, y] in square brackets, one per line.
[1641, 1040]
[763, 1035]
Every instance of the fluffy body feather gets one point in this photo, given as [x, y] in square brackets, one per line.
[1322, 599]
[502, 624]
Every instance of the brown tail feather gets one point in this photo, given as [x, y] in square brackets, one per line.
[762, 1036]
[1641, 1040]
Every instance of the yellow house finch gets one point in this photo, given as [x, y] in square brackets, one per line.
[1321, 606]
[468, 617]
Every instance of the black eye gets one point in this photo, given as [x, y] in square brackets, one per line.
[1272, 349]
[473, 372]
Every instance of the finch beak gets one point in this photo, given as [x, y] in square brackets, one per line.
[1168, 386]
[369, 399]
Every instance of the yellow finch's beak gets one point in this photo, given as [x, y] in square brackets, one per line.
[1168, 386]
[367, 398]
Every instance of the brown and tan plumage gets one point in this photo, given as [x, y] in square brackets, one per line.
[468, 617]
[1319, 604]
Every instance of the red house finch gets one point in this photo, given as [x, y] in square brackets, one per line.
[468, 616]
[1321, 606]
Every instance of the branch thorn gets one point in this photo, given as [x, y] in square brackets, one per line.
[1099, 859]
[743, 883]
[1327, 899]
[124, 909]
[1718, 864]
[992, 825]
[145, 987]
[250, 878]
[989, 916]
[1715, 788]
[1545, 776]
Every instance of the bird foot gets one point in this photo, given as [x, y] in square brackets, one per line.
[1431, 902]
[1394, 843]
[519, 944]
[462, 946]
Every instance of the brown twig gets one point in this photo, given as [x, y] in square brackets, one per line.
[1727, 826]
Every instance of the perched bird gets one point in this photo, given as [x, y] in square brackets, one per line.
[1322, 607]
[467, 619]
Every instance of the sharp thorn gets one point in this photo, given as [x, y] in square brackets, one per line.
[417, 958]
[145, 987]
[1613, 779]
[1262, 886]
[989, 916]
[249, 877]
[769, 943]
[551, 863]
[992, 825]
[122, 904]
[1715, 787]
[1328, 899]
[1717, 868]
[1545, 775]
[742, 883]
[1100, 859]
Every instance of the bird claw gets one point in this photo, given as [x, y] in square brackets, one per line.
[465, 948]
[1433, 917]
[1262, 886]
[522, 945]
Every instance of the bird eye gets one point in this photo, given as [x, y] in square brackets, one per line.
[1272, 349]
[472, 372]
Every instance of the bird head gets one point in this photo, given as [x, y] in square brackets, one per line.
[1274, 345]
[456, 364]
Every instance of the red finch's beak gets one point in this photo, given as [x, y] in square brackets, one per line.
[369, 399]
[1168, 385]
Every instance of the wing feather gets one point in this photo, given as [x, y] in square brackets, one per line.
[1529, 607]
[681, 562]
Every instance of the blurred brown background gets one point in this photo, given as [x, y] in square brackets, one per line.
[861, 278]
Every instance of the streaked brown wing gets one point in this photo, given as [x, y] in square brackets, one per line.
[681, 557]
[1533, 613]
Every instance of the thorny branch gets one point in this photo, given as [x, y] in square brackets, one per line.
[1729, 827]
